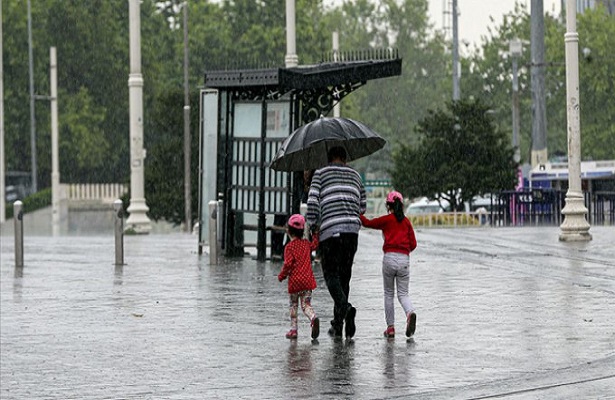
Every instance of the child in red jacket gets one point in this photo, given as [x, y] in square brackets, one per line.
[399, 241]
[298, 269]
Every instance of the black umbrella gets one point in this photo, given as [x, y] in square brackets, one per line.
[306, 148]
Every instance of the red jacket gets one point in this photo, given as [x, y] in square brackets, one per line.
[398, 236]
[298, 265]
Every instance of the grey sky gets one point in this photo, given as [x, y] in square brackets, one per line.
[474, 14]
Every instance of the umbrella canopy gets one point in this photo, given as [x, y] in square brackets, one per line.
[306, 148]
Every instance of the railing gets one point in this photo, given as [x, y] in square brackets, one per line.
[449, 219]
[544, 207]
[102, 192]
[538, 207]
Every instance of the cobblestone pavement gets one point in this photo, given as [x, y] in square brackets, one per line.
[502, 313]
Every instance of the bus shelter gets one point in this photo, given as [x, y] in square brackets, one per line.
[245, 115]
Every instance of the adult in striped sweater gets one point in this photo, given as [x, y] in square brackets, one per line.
[335, 202]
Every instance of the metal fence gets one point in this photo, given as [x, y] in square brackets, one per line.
[537, 207]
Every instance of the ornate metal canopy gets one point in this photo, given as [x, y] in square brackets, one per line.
[319, 87]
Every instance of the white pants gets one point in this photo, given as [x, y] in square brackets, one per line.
[396, 270]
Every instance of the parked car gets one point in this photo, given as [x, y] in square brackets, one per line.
[425, 206]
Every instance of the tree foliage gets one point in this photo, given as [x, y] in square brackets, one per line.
[487, 75]
[394, 105]
[460, 154]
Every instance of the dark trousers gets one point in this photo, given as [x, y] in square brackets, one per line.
[337, 256]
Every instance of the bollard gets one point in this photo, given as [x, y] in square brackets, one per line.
[220, 225]
[119, 232]
[18, 219]
[213, 236]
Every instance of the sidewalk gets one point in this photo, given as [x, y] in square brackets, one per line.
[502, 313]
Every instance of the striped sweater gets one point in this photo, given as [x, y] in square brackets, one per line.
[336, 200]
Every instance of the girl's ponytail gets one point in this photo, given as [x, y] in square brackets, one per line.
[398, 209]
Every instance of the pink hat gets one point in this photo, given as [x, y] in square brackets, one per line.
[394, 195]
[296, 221]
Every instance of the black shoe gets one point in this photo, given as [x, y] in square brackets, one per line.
[350, 326]
[410, 324]
[315, 328]
[333, 332]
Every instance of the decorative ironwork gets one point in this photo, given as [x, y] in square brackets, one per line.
[317, 102]
[360, 55]
[255, 94]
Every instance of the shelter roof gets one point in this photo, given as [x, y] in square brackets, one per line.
[305, 77]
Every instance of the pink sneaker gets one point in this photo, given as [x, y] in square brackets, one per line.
[410, 324]
[390, 332]
[292, 334]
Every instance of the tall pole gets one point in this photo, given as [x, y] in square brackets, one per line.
[138, 220]
[539, 121]
[515, 52]
[187, 192]
[336, 51]
[2, 193]
[291, 59]
[456, 90]
[575, 227]
[55, 163]
[32, 98]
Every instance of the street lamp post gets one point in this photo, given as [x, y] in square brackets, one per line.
[575, 227]
[291, 59]
[138, 220]
[187, 188]
[34, 184]
[55, 159]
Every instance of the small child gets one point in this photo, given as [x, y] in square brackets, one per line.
[399, 241]
[298, 269]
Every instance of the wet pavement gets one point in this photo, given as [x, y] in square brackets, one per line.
[502, 313]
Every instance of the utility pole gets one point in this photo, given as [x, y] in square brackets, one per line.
[138, 220]
[32, 98]
[456, 90]
[539, 120]
[516, 48]
[187, 192]
[2, 183]
[575, 227]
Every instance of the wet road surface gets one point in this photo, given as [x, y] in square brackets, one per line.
[502, 313]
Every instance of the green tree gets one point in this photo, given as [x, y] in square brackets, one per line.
[92, 44]
[460, 154]
[394, 105]
[487, 75]
[596, 85]
[164, 176]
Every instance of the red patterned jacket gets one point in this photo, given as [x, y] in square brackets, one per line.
[298, 265]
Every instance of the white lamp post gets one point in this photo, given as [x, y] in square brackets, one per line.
[291, 59]
[138, 220]
[516, 48]
[575, 227]
[55, 160]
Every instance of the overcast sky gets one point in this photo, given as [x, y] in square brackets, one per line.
[474, 14]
